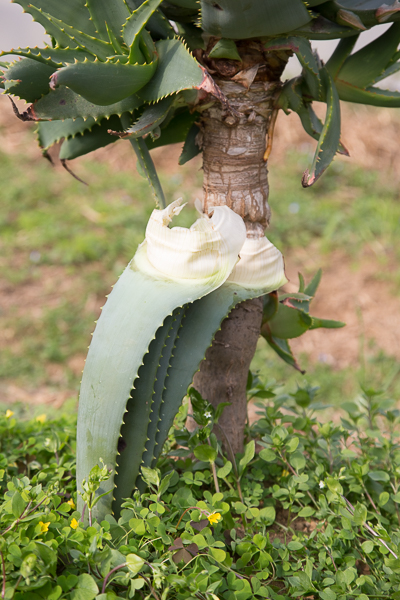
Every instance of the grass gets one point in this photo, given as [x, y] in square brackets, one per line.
[64, 244]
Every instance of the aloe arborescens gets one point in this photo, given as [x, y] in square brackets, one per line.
[207, 74]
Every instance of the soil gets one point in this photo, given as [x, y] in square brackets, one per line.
[354, 296]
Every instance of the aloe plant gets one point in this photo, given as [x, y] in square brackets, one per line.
[207, 74]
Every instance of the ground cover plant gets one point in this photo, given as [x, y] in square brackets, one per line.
[308, 510]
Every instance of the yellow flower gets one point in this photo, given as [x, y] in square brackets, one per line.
[285, 473]
[214, 518]
[71, 503]
[74, 524]
[9, 413]
[41, 419]
[44, 526]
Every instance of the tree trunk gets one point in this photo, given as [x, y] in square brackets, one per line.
[235, 174]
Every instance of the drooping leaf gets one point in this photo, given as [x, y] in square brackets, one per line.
[241, 19]
[114, 14]
[28, 79]
[73, 12]
[104, 83]
[291, 97]
[313, 125]
[369, 12]
[177, 70]
[330, 135]
[90, 140]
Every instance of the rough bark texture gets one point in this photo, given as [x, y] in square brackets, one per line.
[235, 174]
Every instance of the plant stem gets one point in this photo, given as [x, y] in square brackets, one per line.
[109, 575]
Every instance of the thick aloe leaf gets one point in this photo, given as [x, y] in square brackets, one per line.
[114, 14]
[330, 135]
[90, 140]
[225, 49]
[99, 48]
[140, 408]
[28, 79]
[202, 320]
[62, 103]
[134, 26]
[175, 131]
[104, 83]
[54, 57]
[241, 19]
[363, 67]
[287, 323]
[136, 308]
[372, 95]
[302, 48]
[51, 132]
[190, 148]
[151, 118]
[147, 168]
[72, 12]
[283, 350]
[177, 70]
[320, 28]
[340, 54]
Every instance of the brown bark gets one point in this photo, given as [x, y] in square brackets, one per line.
[235, 174]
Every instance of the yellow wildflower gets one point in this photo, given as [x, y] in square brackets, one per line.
[74, 524]
[41, 419]
[44, 526]
[285, 473]
[71, 503]
[9, 413]
[214, 518]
